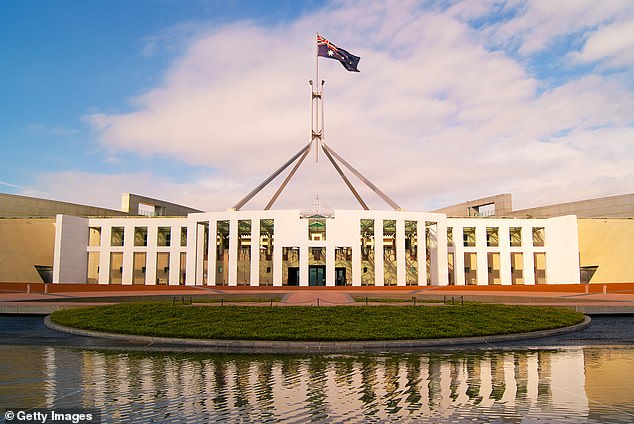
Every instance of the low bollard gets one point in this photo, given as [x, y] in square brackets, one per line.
[317, 301]
[28, 288]
[46, 288]
[587, 288]
[605, 289]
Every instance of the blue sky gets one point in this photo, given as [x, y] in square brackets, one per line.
[197, 101]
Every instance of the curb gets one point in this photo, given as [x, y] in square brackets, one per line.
[269, 346]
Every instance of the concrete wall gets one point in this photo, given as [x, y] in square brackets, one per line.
[12, 206]
[25, 243]
[502, 202]
[560, 247]
[130, 204]
[604, 207]
[609, 245]
[70, 257]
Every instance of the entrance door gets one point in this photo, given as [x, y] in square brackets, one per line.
[293, 276]
[317, 275]
[340, 276]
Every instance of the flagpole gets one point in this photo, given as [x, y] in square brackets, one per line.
[316, 95]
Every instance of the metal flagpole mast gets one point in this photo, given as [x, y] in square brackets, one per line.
[316, 96]
[317, 137]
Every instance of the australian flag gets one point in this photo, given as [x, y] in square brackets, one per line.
[326, 49]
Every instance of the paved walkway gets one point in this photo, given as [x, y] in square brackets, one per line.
[317, 298]
[600, 299]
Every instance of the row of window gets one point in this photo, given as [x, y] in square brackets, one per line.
[163, 236]
[493, 236]
[317, 231]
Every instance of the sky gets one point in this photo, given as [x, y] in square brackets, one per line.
[196, 102]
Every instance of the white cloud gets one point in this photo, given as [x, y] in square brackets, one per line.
[614, 42]
[538, 23]
[57, 130]
[105, 190]
[433, 118]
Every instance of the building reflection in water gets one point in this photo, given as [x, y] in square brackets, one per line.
[563, 384]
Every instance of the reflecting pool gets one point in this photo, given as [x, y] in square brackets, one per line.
[563, 385]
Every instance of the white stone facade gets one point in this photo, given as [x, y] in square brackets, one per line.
[281, 247]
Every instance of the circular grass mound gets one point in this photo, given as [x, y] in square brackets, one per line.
[337, 323]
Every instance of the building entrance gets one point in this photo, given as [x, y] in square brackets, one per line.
[340, 276]
[317, 275]
[293, 276]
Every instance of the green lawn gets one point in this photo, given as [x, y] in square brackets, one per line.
[337, 323]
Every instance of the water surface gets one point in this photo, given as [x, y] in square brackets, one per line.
[524, 385]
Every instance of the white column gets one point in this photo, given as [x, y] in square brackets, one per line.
[421, 253]
[199, 237]
[277, 259]
[379, 268]
[482, 256]
[459, 255]
[192, 253]
[441, 253]
[175, 256]
[128, 241]
[212, 252]
[303, 265]
[233, 252]
[255, 252]
[150, 259]
[330, 265]
[104, 254]
[527, 250]
[400, 252]
[505, 255]
[356, 255]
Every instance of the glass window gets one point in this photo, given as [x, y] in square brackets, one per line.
[469, 236]
[244, 252]
[493, 239]
[94, 236]
[116, 267]
[138, 267]
[470, 268]
[515, 235]
[267, 228]
[116, 236]
[517, 268]
[183, 236]
[222, 252]
[164, 236]
[140, 236]
[93, 267]
[389, 252]
[539, 259]
[411, 258]
[162, 267]
[317, 228]
[538, 236]
[367, 252]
